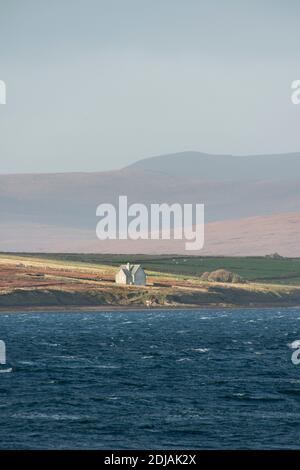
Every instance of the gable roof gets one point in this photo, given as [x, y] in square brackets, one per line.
[125, 271]
[130, 269]
[135, 268]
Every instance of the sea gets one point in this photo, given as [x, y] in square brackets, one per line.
[155, 379]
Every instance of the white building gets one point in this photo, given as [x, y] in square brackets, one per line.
[131, 274]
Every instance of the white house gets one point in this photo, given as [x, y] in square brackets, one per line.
[131, 274]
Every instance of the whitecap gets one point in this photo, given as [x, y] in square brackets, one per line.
[201, 350]
[69, 358]
[6, 371]
[55, 416]
[107, 367]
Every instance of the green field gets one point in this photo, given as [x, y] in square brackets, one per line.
[256, 269]
[35, 281]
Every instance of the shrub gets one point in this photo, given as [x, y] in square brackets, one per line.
[222, 275]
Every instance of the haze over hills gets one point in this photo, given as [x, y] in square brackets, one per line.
[253, 236]
[57, 212]
[206, 167]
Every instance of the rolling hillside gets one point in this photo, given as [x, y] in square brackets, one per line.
[251, 204]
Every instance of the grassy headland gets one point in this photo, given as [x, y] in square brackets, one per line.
[31, 281]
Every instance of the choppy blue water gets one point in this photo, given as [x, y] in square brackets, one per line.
[208, 379]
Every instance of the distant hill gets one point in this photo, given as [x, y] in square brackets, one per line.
[254, 236]
[222, 168]
[57, 211]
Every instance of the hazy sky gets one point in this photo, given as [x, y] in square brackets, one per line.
[97, 84]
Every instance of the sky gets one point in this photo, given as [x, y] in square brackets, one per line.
[94, 85]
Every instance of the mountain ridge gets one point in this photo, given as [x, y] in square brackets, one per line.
[224, 167]
[66, 202]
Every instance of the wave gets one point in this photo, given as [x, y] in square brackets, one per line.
[54, 416]
[201, 350]
[6, 371]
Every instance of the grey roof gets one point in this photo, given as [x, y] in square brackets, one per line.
[130, 269]
[125, 271]
[133, 268]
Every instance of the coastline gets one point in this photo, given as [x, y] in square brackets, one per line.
[138, 308]
[36, 284]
